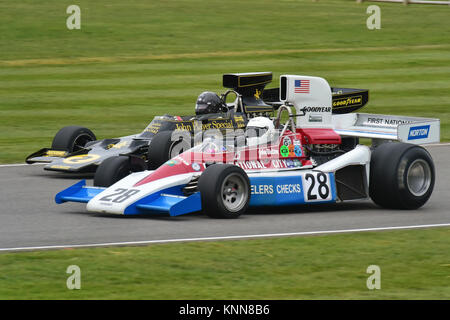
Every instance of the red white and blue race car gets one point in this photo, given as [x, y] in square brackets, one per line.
[306, 154]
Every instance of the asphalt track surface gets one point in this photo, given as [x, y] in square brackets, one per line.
[30, 219]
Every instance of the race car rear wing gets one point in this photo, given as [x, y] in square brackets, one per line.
[413, 130]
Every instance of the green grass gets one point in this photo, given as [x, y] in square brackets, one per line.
[415, 264]
[133, 60]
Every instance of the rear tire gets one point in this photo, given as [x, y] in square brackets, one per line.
[162, 148]
[72, 138]
[225, 191]
[114, 169]
[402, 176]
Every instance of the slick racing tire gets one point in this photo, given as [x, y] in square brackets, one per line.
[402, 176]
[116, 168]
[162, 148]
[224, 190]
[72, 138]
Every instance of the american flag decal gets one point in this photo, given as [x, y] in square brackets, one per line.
[301, 86]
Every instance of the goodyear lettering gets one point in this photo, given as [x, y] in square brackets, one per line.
[345, 102]
[317, 109]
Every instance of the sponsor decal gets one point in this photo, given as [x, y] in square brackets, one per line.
[420, 132]
[348, 102]
[289, 188]
[298, 151]
[83, 158]
[297, 163]
[290, 163]
[55, 153]
[256, 164]
[291, 151]
[297, 142]
[60, 167]
[386, 121]
[317, 109]
[284, 151]
[117, 145]
[196, 166]
[262, 189]
[287, 141]
[268, 152]
[171, 163]
[257, 94]
[251, 165]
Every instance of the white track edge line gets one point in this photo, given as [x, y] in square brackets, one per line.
[237, 237]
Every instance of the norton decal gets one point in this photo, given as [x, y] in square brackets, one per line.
[284, 151]
[83, 158]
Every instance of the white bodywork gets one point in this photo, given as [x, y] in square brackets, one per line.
[97, 205]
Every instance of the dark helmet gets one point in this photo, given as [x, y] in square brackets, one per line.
[209, 102]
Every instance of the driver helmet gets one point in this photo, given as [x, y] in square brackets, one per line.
[260, 130]
[208, 102]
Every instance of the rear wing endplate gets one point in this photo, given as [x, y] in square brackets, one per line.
[413, 130]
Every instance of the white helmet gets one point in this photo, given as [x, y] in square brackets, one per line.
[260, 130]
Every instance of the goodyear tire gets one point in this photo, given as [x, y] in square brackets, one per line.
[224, 190]
[162, 148]
[72, 138]
[114, 169]
[401, 176]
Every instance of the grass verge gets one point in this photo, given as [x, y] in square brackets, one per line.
[415, 264]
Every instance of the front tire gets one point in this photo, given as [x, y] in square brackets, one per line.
[72, 138]
[224, 190]
[114, 169]
[402, 176]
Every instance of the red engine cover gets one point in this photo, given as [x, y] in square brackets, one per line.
[319, 136]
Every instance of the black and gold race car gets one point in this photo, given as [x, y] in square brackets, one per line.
[76, 149]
